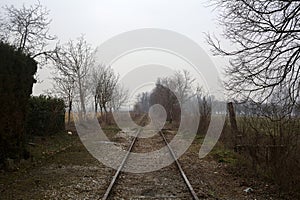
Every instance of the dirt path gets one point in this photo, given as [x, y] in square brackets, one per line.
[74, 174]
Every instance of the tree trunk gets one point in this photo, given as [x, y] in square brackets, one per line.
[69, 111]
[171, 114]
[105, 110]
[96, 105]
[81, 99]
[101, 111]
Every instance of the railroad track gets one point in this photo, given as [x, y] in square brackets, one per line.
[167, 183]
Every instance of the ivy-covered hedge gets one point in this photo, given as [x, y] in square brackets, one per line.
[46, 115]
[16, 80]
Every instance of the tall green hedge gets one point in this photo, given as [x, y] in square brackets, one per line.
[16, 80]
[46, 115]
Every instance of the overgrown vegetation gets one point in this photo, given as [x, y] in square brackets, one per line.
[268, 143]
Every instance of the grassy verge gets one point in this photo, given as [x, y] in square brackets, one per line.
[57, 151]
[223, 155]
[42, 147]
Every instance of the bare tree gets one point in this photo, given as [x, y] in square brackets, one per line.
[27, 28]
[119, 98]
[172, 91]
[204, 102]
[143, 102]
[181, 83]
[184, 84]
[107, 93]
[266, 51]
[64, 87]
[164, 96]
[94, 80]
[105, 89]
[74, 60]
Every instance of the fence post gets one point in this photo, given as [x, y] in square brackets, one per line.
[233, 125]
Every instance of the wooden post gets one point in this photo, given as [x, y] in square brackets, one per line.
[233, 125]
[232, 118]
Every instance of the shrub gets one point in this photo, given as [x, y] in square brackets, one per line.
[46, 115]
[16, 80]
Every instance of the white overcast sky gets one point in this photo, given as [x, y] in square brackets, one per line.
[99, 20]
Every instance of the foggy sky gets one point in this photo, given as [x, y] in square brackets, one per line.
[100, 20]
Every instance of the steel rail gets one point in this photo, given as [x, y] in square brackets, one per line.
[108, 190]
[115, 177]
[186, 180]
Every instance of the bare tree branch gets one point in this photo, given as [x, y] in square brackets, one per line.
[27, 28]
[265, 35]
[73, 61]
